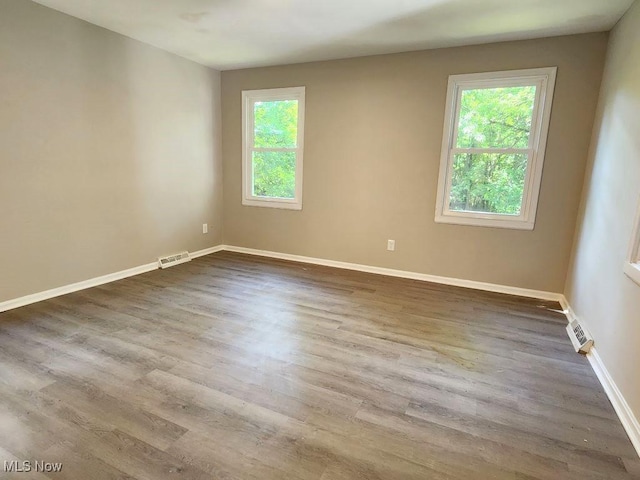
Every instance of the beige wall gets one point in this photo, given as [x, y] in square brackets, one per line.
[109, 151]
[597, 289]
[372, 150]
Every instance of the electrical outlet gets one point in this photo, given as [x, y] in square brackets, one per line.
[205, 228]
[391, 245]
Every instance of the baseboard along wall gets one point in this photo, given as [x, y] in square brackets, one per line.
[92, 282]
[620, 405]
[112, 277]
[456, 282]
[628, 419]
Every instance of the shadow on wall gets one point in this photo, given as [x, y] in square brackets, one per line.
[610, 198]
[479, 21]
[62, 148]
[108, 153]
[175, 157]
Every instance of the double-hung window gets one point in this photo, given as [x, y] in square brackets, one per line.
[632, 265]
[273, 134]
[493, 147]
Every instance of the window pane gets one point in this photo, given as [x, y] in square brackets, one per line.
[488, 182]
[274, 174]
[496, 117]
[276, 124]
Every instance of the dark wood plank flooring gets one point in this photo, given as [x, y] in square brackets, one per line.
[238, 367]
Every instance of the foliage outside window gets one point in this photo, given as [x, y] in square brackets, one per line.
[273, 132]
[493, 147]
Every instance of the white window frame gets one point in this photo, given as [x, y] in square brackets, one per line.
[544, 79]
[632, 265]
[249, 98]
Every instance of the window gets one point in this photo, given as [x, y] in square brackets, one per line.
[493, 145]
[632, 265]
[273, 133]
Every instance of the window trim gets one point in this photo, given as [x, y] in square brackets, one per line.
[249, 97]
[632, 265]
[545, 79]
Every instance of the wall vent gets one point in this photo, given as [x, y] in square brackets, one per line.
[172, 260]
[581, 339]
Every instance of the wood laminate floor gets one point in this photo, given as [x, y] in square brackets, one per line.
[238, 367]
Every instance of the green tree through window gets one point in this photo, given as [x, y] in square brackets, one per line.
[489, 181]
[273, 147]
[493, 147]
[275, 129]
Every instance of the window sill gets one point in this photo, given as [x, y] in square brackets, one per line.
[272, 203]
[632, 270]
[485, 222]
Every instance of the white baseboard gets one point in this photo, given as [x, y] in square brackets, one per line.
[112, 277]
[457, 282]
[628, 419]
[620, 405]
[207, 251]
[92, 282]
[74, 287]
[568, 311]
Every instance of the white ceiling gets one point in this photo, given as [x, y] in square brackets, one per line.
[228, 34]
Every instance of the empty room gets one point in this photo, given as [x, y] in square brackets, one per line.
[287, 239]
